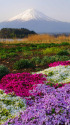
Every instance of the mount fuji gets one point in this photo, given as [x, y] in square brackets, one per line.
[36, 21]
[31, 14]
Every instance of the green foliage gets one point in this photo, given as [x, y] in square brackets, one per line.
[63, 58]
[3, 71]
[12, 33]
[35, 60]
[23, 63]
[4, 56]
[19, 49]
[11, 50]
[27, 53]
[12, 54]
[46, 59]
[63, 52]
[52, 50]
[12, 59]
[32, 48]
[3, 50]
[50, 73]
[38, 69]
[1, 44]
[53, 110]
[25, 48]
[5, 112]
[65, 43]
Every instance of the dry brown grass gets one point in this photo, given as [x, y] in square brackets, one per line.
[42, 38]
[14, 41]
[45, 38]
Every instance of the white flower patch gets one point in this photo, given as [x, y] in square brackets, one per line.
[58, 74]
[10, 106]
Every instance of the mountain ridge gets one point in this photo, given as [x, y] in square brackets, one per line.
[31, 14]
[37, 21]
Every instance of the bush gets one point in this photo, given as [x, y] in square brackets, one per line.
[11, 50]
[51, 50]
[23, 63]
[12, 54]
[27, 53]
[63, 52]
[4, 56]
[46, 59]
[3, 71]
[64, 43]
[63, 58]
[35, 60]
[19, 49]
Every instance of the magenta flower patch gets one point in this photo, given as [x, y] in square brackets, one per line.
[59, 63]
[21, 83]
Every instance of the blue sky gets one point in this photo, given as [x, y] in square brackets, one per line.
[57, 9]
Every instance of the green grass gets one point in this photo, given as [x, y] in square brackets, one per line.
[63, 52]
[52, 50]
[23, 63]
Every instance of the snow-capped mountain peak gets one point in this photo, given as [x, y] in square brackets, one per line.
[31, 14]
[36, 21]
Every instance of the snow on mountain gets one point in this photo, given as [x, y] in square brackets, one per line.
[34, 20]
[31, 14]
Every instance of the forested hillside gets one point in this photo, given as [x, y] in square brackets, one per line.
[15, 33]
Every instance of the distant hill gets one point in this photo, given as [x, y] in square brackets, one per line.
[15, 33]
[34, 20]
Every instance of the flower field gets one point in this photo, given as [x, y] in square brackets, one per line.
[40, 98]
[10, 105]
[58, 72]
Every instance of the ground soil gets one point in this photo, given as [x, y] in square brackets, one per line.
[9, 63]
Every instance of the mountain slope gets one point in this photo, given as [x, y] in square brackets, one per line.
[31, 14]
[36, 21]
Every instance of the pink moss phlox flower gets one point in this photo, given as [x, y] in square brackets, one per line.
[59, 63]
[21, 83]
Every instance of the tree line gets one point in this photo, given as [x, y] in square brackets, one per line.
[15, 33]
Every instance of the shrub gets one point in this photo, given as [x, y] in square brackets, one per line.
[38, 69]
[58, 58]
[63, 52]
[25, 48]
[3, 71]
[19, 49]
[27, 53]
[12, 54]
[22, 63]
[63, 58]
[35, 60]
[51, 50]
[46, 59]
[4, 56]
[12, 50]
[65, 43]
